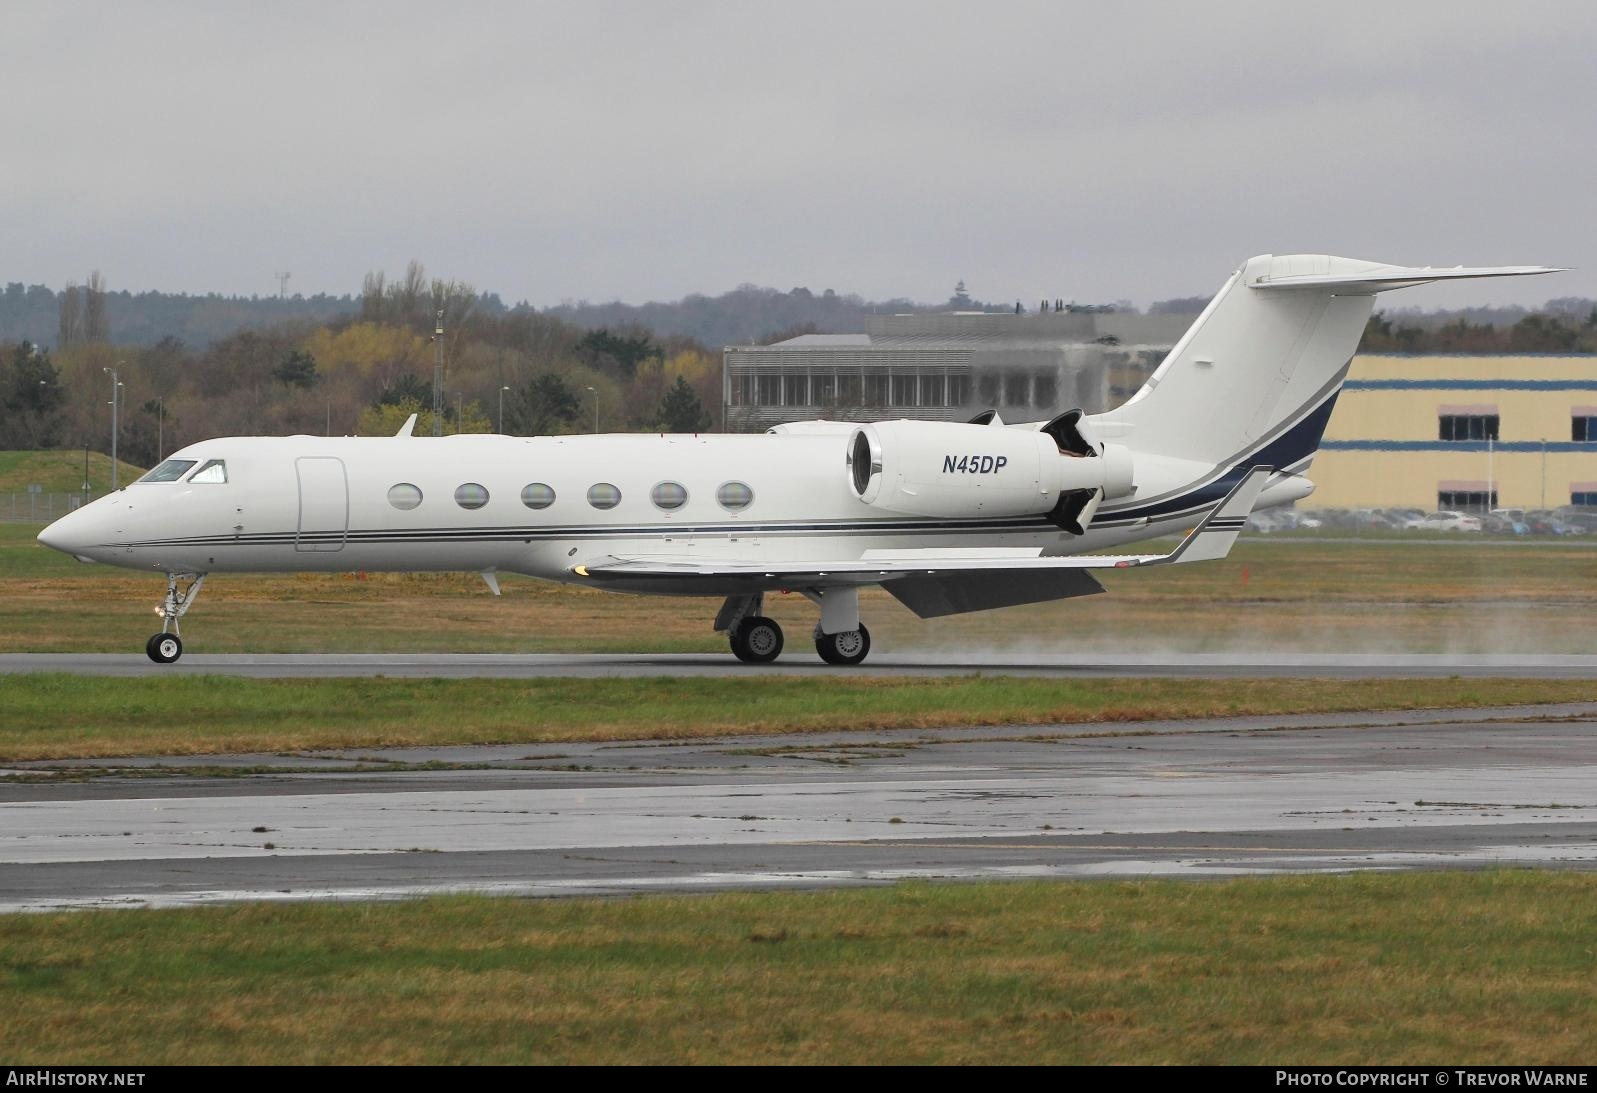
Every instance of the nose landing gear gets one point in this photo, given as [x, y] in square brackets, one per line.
[167, 646]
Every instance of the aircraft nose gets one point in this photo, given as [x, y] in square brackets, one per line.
[72, 534]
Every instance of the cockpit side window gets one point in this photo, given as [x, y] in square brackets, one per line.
[170, 471]
[214, 471]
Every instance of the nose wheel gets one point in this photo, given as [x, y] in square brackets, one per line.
[166, 647]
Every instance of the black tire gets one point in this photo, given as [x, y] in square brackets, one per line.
[849, 647]
[757, 640]
[164, 648]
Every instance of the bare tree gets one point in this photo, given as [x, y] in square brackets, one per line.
[96, 326]
[70, 330]
[371, 298]
[407, 295]
[455, 299]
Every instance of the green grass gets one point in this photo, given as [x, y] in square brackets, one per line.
[1413, 968]
[64, 716]
[60, 471]
[1270, 595]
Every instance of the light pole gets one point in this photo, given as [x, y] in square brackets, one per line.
[438, 376]
[42, 394]
[595, 395]
[160, 429]
[116, 398]
[502, 391]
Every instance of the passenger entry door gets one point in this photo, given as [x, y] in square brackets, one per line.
[323, 504]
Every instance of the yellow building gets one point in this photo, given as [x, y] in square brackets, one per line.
[1461, 432]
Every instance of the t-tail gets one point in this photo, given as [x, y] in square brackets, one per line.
[1253, 381]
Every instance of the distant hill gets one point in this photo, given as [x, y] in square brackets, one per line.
[749, 314]
[60, 471]
[746, 314]
[33, 312]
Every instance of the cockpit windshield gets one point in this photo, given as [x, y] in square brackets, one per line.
[214, 471]
[170, 471]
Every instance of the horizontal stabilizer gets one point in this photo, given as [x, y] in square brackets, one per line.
[1377, 278]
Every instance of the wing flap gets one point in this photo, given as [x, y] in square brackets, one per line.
[959, 593]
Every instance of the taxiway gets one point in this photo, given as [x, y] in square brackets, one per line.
[804, 662]
[1311, 792]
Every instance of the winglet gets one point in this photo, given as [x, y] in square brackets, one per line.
[1213, 538]
[409, 428]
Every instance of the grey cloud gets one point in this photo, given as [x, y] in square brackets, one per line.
[646, 151]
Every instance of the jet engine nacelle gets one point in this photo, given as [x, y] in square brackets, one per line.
[936, 468]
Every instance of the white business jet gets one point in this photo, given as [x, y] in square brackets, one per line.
[947, 517]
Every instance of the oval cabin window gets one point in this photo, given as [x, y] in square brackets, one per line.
[404, 496]
[669, 496]
[604, 495]
[537, 495]
[734, 496]
[470, 495]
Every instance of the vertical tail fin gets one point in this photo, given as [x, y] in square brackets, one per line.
[1255, 376]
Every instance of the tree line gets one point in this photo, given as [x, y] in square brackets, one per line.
[363, 363]
[1558, 330]
[363, 371]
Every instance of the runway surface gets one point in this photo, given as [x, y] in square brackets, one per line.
[1419, 789]
[1081, 665]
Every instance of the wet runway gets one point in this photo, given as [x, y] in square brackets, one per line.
[800, 662]
[1420, 789]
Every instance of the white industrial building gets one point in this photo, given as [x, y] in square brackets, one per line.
[948, 367]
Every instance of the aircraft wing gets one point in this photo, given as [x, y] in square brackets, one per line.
[1211, 539]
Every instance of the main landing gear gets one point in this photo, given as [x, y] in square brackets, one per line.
[167, 646]
[756, 640]
[849, 647]
[840, 638]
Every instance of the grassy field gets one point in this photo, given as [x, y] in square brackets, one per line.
[62, 716]
[1367, 968]
[60, 471]
[1270, 595]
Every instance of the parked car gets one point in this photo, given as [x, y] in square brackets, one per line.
[1447, 520]
[1543, 522]
[1271, 520]
[1581, 523]
[1495, 523]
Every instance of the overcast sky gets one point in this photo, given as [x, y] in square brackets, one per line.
[647, 150]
